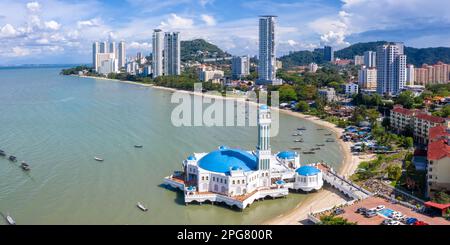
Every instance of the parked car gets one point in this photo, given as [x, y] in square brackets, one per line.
[339, 211]
[370, 214]
[361, 210]
[411, 221]
[420, 223]
[379, 208]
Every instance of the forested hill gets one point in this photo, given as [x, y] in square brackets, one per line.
[199, 49]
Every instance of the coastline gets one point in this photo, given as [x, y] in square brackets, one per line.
[323, 199]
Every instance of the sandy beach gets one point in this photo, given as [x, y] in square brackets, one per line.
[323, 199]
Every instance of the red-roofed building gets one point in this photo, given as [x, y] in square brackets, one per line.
[438, 174]
[401, 118]
[423, 123]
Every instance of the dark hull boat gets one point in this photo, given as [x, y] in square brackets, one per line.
[25, 166]
[12, 158]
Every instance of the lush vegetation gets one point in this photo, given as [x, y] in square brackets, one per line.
[334, 220]
[190, 50]
[441, 197]
[300, 58]
[75, 70]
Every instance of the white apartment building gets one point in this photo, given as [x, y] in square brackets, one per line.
[267, 68]
[370, 59]
[391, 67]
[240, 66]
[313, 67]
[172, 56]
[367, 78]
[121, 55]
[210, 75]
[351, 88]
[107, 63]
[359, 60]
[158, 47]
[410, 76]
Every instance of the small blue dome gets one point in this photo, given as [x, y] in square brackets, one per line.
[287, 155]
[280, 182]
[307, 171]
[264, 107]
[221, 161]
[191, 158]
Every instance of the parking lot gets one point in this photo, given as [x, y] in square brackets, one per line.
[372, 202]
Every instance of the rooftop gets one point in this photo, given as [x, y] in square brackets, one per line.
[438, 132]
[438, 150]
[224, 159]
[403, 111]
[430, 118]
[307, 171]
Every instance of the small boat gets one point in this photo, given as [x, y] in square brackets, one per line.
[10, 220]
[2, 153]
[320, 129]
[302, 128]
[298, 141]
[98, 159]
[315, 149]
[296, 148]
[142, 207]
[12, 158]
[320, 145]
[138, 146]
[330, 140]
[25, 166]
[296, 135]
[328, 134]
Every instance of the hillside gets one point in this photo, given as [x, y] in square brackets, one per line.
[200, 49]
[416, 56]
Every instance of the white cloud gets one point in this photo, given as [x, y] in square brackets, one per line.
[203, 3]
[89, 23]
[8, 31]
[209, 20]
[140, 46]
[177, 22]
[52, 25]
[42, 41]
[20, 51]
[33, 6]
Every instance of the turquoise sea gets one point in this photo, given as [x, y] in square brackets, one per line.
[58, 124]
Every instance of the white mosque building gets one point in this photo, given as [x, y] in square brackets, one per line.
[238, 178]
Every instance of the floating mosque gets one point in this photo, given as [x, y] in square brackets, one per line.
[238, 178]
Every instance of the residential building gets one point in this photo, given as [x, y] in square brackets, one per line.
[438, 156]
[267, 68]
[279, 64]
[329, 94]
[158, 47]
[410, 77]
[107, 63]
[432, 74]
[313, 67]
[240, 66]
[351, 88]
[359, 60]
[121, 55]
[103, 47]
[328, 53]
[391, 69]
[95, 51]
[172, 55]
[415, 121]
[207, 74]
[113, 49]
[370, 59]
[367, 78]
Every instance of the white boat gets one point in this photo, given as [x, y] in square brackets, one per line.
[10, 220]
[98, 159]
[142, 207]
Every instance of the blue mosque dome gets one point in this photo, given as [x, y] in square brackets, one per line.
[307, 171]
[191, 158]
[222, 160]
[287, 155]
[264, 107]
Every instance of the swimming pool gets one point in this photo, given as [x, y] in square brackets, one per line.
[386, 212]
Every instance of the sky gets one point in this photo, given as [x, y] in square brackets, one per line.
[62, 31]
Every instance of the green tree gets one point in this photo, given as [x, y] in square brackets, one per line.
[406, 99]
[302, 106]
[287, 93]
[333, 220]
[441, 197]
[408, 142]
[394, 172]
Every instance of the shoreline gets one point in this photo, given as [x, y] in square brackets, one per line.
[325, 198]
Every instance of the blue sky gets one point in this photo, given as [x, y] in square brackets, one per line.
[61, 31]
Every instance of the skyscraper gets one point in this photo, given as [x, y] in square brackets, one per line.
[158, 44]
[370, 59]
[121, 55]
[95, 51]
[103, 47]
[240, 66]
[328, 53]
[391, 66]
[113, 49]
[410, 75]
[267, 69]
[172, 55]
